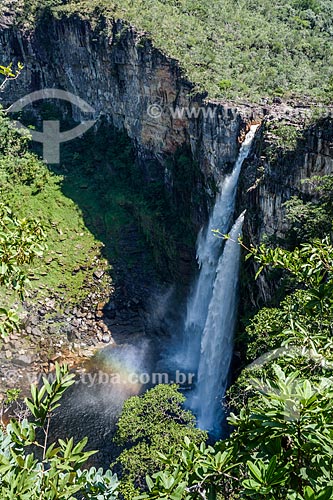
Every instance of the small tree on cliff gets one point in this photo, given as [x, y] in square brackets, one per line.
[9, 74]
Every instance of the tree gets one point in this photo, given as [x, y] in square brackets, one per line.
[283, 438]
[280, 446]
[21, 240]
[151, 424]
[9, 74]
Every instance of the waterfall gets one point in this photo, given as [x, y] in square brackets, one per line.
[211, 309]
[208, 254]
[217, 337]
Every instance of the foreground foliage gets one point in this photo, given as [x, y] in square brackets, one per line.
[31, 468]
[9, 73]
[280, 448]
[281, 444]
[21, 240]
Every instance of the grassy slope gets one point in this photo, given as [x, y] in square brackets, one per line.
[90, 206]
[71, 246]
[60, 202]
[237, 49]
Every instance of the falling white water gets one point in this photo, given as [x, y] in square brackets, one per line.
[217, 338]
[208, 254]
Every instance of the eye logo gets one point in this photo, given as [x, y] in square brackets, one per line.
[51, 137]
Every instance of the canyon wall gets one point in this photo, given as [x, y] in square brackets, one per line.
[116, 69]
[267, 185]
[121, 75]
[275, 173]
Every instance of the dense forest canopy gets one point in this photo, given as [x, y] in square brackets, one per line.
[232, 49]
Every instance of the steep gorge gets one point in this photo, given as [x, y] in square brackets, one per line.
[121, 75]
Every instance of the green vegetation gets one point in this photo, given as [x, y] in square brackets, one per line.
[281, 441]
[9, 74]
[97, 194]
[106, 184]
[280, 445]
[149, 425]
[304, 317]
[232, 49]
[311, 219]
[103, 177]
[33, 194]
[31, 468]
[285, 138]
[280, 448]
[21, 240]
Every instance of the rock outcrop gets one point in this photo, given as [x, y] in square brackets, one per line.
[118, 71]
[275, 173]
[123, 77]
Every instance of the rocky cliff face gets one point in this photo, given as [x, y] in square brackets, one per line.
[269, 184]
[123, 77]
[287, 151]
